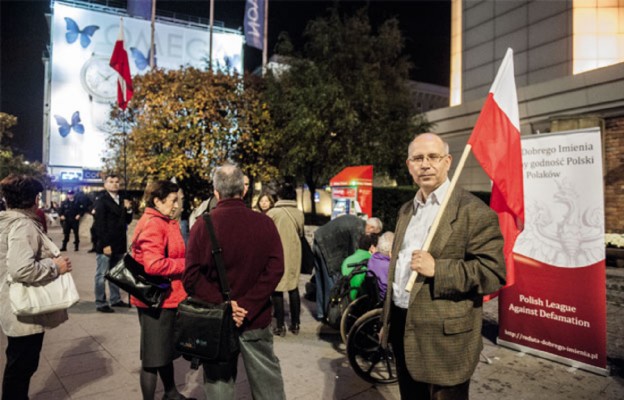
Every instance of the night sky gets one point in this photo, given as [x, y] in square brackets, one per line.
[24, 35]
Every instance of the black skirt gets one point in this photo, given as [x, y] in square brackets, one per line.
[157, 348]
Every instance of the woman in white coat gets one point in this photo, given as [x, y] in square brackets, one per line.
[27, 256]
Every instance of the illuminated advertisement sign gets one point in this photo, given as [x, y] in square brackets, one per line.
[83, 85]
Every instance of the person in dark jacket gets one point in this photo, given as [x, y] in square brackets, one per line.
[333, 242]
[70, 213]
[94, 196]
[112, 216]
[254, 264]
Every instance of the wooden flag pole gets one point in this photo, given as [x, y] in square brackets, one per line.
[436, 221]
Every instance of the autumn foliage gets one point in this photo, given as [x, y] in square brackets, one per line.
[182, 123]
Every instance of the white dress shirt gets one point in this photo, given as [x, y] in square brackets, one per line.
[425, 212]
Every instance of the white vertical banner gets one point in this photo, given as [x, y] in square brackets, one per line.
[565, 199]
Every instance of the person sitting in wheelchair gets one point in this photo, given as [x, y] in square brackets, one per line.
[367, 245]
[379, 262]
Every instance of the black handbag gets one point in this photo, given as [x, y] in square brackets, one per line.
[307, 257]
[129, 275]
[339, 295]
[205, 332]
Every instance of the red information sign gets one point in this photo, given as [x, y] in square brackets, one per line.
[556, 310]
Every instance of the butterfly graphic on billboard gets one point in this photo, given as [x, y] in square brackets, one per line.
[232, 62]
[73, 32]
[140, 60]
[65, 127]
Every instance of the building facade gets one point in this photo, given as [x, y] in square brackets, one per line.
[569, 70]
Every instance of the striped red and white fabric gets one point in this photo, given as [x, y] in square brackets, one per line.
[119, 62]
[495, 142]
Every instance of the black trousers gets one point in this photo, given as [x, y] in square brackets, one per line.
[22, 361]
[294, 300]
[68, 226]
[408, 387]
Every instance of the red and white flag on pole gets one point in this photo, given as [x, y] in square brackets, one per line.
[495, 142]
[119, 62]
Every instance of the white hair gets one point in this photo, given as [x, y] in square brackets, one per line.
[384, 244]
[375, 223]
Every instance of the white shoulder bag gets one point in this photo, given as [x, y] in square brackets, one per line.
[43, 297]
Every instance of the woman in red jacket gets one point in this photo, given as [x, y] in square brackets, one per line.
[158, 245]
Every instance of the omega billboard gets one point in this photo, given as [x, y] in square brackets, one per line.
[83, 86]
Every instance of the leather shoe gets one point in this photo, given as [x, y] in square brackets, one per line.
[121, 303]
[279, 331]
[294, 328]
[105, 309]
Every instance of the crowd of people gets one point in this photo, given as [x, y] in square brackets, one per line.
[434, 329]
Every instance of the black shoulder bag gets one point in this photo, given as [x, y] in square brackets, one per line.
[204, 332]
[339, 295]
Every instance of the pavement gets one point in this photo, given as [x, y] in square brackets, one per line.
[96, 356]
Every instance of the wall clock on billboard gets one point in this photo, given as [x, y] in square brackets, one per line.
[100, 81]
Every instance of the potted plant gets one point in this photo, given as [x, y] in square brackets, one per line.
[615, 249]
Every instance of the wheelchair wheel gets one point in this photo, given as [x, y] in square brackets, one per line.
[355, 310]
[369, 361]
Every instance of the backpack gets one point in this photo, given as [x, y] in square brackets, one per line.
[339, 298]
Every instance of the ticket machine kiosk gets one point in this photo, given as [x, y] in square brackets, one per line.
[352, 191]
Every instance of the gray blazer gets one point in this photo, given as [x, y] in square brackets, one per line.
[444, 317]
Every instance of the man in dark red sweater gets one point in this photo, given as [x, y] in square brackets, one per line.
[254, 265]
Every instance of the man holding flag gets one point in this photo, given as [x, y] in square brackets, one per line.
[448, 250]
[435, 330]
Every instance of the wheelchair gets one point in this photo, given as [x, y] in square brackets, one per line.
[360, 323]
[368, 359]
[342, 312]
[368, 298]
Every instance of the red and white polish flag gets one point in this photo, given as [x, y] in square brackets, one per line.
[495, 142]
[119, 62]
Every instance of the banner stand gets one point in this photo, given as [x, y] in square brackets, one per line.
[556, 307]
[554, 357]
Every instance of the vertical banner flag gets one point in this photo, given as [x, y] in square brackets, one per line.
[119, 62]
[254, 23]
[557, 307]
[140, 8]
[495, 143]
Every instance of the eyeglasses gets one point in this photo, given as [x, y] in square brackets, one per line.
[431, 158]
